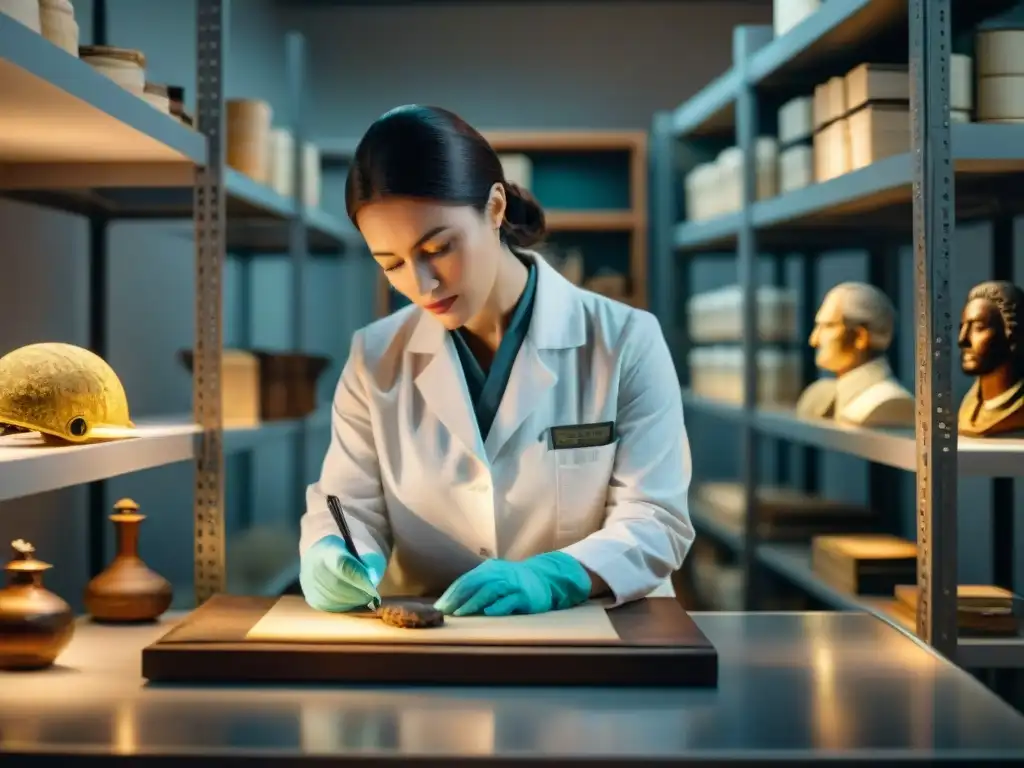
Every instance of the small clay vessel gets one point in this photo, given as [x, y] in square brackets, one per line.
[127, 591]
[35, 624]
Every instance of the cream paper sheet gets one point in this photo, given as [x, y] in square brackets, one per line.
[291, 620]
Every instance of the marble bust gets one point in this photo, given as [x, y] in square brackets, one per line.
[852, 333]
[991, 352]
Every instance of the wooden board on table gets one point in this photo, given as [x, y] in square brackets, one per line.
[652, 642]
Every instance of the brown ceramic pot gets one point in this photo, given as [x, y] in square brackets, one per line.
[127, 591]
[35, 624]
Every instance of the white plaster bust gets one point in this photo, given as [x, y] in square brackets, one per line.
[852, 332]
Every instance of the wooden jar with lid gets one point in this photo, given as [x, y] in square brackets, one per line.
[248, 138]
[127, 591]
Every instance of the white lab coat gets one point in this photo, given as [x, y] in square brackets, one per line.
[421, 488]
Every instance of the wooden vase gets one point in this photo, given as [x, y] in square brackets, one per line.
[127, 591]
[35, 624]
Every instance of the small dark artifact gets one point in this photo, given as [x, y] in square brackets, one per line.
[409, 615]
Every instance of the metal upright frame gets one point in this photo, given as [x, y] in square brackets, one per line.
[210, 224]
[682, 134]
[934, 222]
[211, 246]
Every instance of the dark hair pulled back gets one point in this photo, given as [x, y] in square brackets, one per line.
[430, 153]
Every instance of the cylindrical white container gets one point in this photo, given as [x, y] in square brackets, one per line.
[787, 14]
[156, 95]
[23, 11]
[281, 165]
[124, 66]
[767, 153]
[961, 82]
[57, 20]
[1000, 52]
[729, 186]
[796, 168]
[281, 161]
[796, 119]
[1000, 97]
[311, 175]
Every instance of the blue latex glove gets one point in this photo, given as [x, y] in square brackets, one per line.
[333, 580]
[541, 583]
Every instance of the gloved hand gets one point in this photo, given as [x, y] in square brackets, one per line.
[541, 583]
[333, 580]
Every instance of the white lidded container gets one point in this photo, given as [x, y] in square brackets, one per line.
[717, 316]
[787, 14]
[518, 169]
[728, 192]
[796, 120]
[1000, 52]
[24, 12]
[156, 95]
[125, 66]
[281, 162]
[700, 185]
[766, 150]
[796, 168]
[961, 82]
[58, 25]
[717, 373]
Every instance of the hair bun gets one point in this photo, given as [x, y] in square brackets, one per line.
[524, 223]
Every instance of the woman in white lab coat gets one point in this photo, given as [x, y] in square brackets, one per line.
[510, 442]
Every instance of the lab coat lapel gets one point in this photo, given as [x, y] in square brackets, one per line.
[557, 324]
[442, 384]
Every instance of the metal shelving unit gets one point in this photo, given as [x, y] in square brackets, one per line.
[73, 140]
[910, 197]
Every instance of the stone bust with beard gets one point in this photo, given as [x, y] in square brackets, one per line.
[991, 351]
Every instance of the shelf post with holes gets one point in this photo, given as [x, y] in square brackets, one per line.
[930, 32]
[664, 269]
[210, 221]
[298, 237]
[746, 268]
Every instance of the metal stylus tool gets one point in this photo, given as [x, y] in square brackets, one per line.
[339, 518]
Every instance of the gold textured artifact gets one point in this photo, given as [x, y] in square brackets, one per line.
[35, 624]
[64, 392]
[127, 591]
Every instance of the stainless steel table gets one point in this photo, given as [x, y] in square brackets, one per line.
[796, 686]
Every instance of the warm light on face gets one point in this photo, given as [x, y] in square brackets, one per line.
[442, 258]
[834, 340]
[982, 339]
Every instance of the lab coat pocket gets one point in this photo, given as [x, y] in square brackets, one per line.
[581, 484]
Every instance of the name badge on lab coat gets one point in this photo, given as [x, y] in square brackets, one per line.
[582, 435]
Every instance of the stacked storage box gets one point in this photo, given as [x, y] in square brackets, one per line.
[716, 369]
[796, 134]
[1000, 75]
[716, 188]
[864, 117]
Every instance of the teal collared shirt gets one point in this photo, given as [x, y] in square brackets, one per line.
[487, 387]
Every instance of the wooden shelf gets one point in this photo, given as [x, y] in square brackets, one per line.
[566, 141]
[591, 221]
